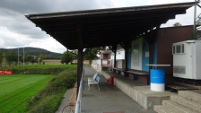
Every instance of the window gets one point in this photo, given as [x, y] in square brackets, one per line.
[136, 57]
[178, 49]
[182, 46]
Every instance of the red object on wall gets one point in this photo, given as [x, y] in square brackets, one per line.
[2, 72]
[111, 81]
[6, 72]
[10, 72]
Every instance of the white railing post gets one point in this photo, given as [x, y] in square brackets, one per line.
[79, 97]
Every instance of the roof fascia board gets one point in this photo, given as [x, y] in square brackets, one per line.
[107, 11]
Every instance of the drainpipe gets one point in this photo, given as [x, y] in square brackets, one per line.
[194, 26]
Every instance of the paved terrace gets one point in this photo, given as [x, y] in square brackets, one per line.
[126, 96]
[109, 99]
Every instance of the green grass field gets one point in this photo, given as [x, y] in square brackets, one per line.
[16, 89]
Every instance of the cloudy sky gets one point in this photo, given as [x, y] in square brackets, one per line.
[18, 31]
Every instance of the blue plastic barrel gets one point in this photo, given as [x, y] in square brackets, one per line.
[157, 79]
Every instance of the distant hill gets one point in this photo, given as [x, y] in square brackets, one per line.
[34, 52]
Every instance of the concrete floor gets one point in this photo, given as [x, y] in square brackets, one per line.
[108, 100]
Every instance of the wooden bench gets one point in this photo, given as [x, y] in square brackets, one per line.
[137, 73]
[118, 70]
[94, 82]
[72, 100]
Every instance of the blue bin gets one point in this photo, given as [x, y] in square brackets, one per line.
[157, 76]
[157, 79]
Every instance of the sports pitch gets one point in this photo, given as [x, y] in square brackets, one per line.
[16, 89]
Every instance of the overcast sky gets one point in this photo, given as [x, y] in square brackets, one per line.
[18, 31]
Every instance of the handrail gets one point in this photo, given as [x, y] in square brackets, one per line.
[79, 97]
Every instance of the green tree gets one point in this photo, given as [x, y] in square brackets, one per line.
[177, 24]
[67, 57]
[28, 58]
[1, 58]
[91, 54]
[11, 57]
[34, 60]
[41, 58]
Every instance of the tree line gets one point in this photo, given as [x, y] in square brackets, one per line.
[68, 56]
[12, 58]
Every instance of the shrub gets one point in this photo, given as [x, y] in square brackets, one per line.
[39, 69]
[48, 100]
[47, 105]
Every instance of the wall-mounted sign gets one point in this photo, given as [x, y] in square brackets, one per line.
[147, 54]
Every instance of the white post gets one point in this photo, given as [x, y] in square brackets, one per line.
[18, 57]
[23, 56]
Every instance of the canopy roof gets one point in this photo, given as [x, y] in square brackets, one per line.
[105, 27]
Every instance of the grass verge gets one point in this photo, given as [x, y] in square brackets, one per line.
[16, 89]
[48, 100]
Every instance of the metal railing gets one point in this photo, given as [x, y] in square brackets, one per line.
[79, 97]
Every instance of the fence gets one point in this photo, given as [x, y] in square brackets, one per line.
[79, 97]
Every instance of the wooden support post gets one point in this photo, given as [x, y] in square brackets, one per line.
[126, 47]
[79, 58]
[151, 38]
[114, 49]
[126, 59]
[79, 68]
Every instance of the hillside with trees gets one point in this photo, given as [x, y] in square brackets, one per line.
[32, 55]
[21, 56]
[34, 52]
